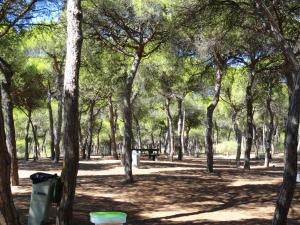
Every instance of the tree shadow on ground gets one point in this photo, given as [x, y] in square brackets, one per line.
[48, 165]
[175, 197]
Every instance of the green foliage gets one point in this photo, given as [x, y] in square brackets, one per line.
[226, 147]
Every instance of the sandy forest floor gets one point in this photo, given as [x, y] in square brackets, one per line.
[178, 193]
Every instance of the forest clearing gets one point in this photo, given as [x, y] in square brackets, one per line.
[176, 193]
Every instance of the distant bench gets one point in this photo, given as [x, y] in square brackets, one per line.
[152, 152]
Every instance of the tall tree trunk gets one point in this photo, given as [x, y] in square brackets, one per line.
[7, 104]
[186, 140]
[98, 137]
[229, 135]
[90, 129]
[82, 141]
[127, 104]
[59, 87]
[270, 128]
[255, 141]
[170, 128]
[71, 114]
[166, 140]
[217, 132]
[238, 137]
[51, 126]
[8, 213]
[138, 132]
[112, 128]
[180, 128]
[292, 125]
[36, 142]
[27, 136]
[160, 138]
[138, 127]
[249, 126]
[44, 143]
[290, 167]
[182, 131]
[83, 148]
[209, 120]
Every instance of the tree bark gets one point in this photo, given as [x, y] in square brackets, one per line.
[36, 142]
[71, 114]
[180, 128]
[170, 128]
[238, 137]
[7, 104]
[209, 120]
[292, 125]
[217, 132]
[290, 167]
[138, 127]
[90, 129]
[187, 139]
[51, 126]
[8, 213]
[59, 87]
[249, 125]
[255, 141]
[112, 128]
[270, 127]
[98, 137]
[166, 140]
[44, 143]
[27, 136]
[127, 104]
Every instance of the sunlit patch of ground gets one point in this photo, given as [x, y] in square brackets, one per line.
[171, 193]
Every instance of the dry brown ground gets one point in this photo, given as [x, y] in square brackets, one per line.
[178, 193]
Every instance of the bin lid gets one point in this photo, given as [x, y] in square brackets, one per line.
[108, 217]
[41, 177]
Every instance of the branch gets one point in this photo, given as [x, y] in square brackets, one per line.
[22, 14]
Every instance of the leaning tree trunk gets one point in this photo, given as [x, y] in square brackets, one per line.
[209, 120]
[112, 128]
[8, 213]
[9, 120]
[180, 129]
[270, 128]
[170, 130]
[292, 125]
[238, 137]
[166, 140]
[290, 167]
[71, 114]
[27, 136]
[51, 126]
[59, 87]
[249, 126]
[128, 135]
[90, 130]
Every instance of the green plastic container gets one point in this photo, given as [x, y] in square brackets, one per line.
[113, 218]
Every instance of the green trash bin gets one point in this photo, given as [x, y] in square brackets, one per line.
[43, 194]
